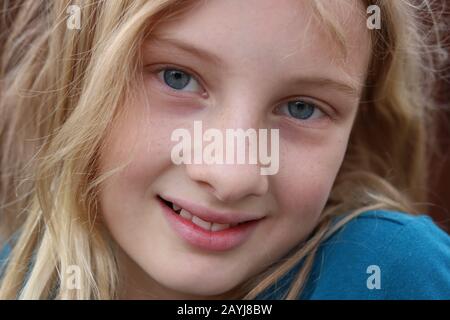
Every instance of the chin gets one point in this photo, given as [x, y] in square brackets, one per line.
[198, 285]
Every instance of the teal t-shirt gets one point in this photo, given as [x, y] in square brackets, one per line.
[378, 255]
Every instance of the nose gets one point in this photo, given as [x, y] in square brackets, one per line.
[229, 182]
[234, 180]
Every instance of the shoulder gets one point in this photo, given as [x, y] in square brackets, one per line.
[383, 255]
[383, 229]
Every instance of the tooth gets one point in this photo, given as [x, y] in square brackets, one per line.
[218, 226]
[233, 224]
[175, 207]
[201, 223]
[186, 214]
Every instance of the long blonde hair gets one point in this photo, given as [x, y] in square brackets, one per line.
[59, 97]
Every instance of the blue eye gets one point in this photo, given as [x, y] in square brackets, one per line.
[300, 109]
[179, 80]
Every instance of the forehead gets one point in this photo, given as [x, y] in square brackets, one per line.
[286, 35]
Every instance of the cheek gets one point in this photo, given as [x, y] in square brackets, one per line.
[144, 146]
[306, 177]
[301, 189]
[143, 143]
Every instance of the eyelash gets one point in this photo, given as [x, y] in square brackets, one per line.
[192, 76]
[188, 72]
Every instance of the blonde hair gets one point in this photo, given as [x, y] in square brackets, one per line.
[59, 96]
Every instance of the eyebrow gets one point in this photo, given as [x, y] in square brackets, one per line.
[330, 83]
[337, 85]
[186, 47]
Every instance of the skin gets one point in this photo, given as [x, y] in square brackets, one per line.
[263, 46]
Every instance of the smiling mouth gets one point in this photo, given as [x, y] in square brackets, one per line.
[206, 225]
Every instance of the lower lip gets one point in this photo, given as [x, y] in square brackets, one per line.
[209, 240]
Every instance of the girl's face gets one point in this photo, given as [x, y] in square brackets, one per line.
[238, 64]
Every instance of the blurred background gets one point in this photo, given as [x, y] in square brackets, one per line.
[439, 188]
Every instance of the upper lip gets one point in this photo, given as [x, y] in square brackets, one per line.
[211, 215]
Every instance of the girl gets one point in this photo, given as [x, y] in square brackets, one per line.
[93, 207]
